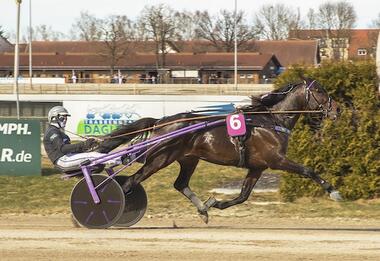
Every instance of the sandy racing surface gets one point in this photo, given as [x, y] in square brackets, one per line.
[55, 238]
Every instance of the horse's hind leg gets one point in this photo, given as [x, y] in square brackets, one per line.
[250, 180]
[188, 165]
[290, 166]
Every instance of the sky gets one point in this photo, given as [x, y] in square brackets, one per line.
[61, 14]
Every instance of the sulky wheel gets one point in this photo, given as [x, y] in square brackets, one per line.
[135, 204]
[103, 214]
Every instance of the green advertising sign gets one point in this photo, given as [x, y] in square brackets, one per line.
[20, 147]
[96, 128]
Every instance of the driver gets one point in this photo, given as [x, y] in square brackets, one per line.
[60, 150]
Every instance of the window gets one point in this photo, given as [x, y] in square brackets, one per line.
[362, 51]
[339, 43]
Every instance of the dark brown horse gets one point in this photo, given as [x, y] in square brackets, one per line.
[264, 146]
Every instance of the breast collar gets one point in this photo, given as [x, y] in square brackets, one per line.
[274, 127]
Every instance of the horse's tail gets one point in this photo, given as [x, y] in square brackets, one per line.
[124, 134]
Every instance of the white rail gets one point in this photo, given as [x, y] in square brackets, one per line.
[140, 89]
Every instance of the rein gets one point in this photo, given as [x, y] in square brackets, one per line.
[308, 94]
[209, 117]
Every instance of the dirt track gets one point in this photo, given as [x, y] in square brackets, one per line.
[54, 238]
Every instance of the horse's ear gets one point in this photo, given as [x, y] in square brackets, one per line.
[306, 80]
[303, 78]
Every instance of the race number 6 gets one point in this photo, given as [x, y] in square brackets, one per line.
[236, 125]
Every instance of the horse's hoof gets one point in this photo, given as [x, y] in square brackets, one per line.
[204, 216]
[335, 195]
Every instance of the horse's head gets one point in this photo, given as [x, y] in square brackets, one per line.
[317, 98]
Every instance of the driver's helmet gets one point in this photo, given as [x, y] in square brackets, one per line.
[58, 115]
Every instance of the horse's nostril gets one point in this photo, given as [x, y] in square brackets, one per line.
[338, 110]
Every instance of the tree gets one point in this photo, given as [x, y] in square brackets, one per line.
[337, 16]
[376, 22]
[87, 28]
[311, 19]
[274, 22]
[116, 32]
[220, 29]
[187, 23]
[44, 33]
[158, 23]
[2, 33]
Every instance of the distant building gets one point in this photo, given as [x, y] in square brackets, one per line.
[186, 61]
[5, 45]
[288, 52]
[354, 44]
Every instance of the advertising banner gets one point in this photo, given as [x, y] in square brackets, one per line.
[97, 118]
[20, 147]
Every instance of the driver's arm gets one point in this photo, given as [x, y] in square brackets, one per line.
[66, 148]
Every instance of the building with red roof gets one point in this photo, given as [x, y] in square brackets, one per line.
[353, 44]
[197, 61]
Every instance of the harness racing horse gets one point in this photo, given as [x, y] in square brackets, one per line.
[265, 143]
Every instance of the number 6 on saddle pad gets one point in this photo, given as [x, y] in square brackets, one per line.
[236, 125]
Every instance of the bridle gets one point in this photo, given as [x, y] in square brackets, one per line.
[321, 106]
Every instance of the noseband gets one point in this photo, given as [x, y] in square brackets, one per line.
[309, 94]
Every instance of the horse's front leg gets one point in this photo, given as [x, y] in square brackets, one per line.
[250, 180]
[290, 166]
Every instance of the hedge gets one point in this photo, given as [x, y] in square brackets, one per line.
[346, 152]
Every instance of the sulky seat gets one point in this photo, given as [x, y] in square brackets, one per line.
[76, 170]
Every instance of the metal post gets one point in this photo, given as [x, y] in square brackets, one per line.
[16, 66]
[235, 47]
[30, 45]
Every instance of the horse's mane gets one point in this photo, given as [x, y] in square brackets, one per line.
[261, 103]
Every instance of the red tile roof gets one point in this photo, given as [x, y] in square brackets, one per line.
[287, 52]
[290, 52]
[67, 47]
[362, 39]
[252, 61]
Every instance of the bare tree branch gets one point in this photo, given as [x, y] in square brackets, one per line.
[2, 33]
[86, 28]
[375, 22]
[44, 33]
[158, 23]
[219, 29]
[311, 19]
[187, 23]
[117, 35]
[336, 16]
[275, 21]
